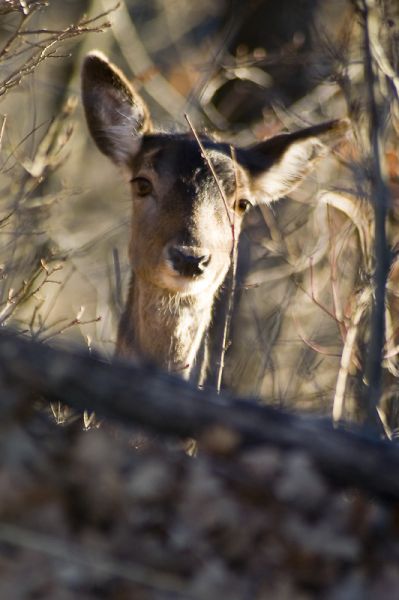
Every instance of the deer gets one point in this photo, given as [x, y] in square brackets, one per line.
[190, 194]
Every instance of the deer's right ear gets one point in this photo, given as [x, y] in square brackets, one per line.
[116, 115]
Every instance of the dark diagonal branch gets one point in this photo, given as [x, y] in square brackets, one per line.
[165, 404]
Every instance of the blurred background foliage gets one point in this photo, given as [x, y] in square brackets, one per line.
[245, 71]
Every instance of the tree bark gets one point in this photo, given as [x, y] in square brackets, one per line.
[143, 396]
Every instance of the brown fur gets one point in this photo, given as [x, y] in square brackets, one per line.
[186, 210]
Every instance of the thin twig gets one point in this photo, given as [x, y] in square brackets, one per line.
[233, 252]
[118, 279]
[45, 48]
[347, 354]
[210, 165]
[3, 126]
[232, 290]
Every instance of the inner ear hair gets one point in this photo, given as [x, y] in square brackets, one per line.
[279, 164]
[262, 155]
[116, 114]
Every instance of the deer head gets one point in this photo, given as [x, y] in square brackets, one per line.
[189, 197]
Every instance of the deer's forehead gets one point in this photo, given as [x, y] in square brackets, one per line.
[181, 163]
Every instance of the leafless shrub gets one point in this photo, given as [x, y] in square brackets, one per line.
[31, 262]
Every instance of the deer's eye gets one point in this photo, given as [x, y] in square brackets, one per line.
[243, 205]
[142, 186]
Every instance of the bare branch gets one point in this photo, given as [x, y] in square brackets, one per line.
[165, 404]
[381, 202]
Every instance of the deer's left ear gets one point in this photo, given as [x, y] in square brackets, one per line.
[277, 165]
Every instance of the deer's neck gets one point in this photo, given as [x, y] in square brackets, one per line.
[162, 327]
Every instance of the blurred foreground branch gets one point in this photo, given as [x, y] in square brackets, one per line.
[165, 404]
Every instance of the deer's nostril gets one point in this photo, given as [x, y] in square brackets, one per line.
[205, 260]
[186, 263]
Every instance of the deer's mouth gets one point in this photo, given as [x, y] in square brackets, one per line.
[183, 282]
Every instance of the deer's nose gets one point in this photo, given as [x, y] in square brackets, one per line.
[188, 264]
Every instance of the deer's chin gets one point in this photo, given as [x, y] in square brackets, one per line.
[186, 286]
[175, 283]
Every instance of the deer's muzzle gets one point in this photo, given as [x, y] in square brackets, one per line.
[187, 261]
